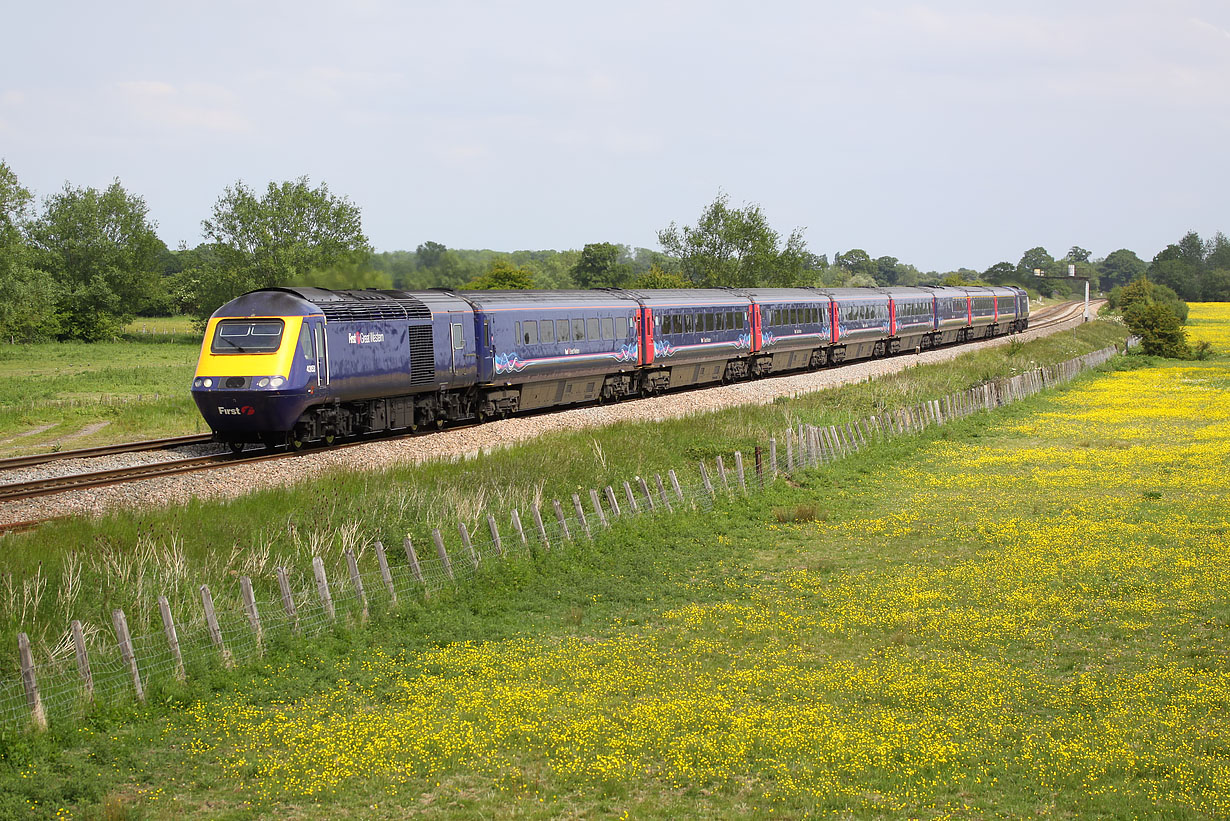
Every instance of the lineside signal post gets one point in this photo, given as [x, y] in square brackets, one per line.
[1071, 275]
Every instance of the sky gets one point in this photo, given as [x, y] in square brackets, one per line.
[946, 134]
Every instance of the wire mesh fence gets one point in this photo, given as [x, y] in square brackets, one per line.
[233, 625]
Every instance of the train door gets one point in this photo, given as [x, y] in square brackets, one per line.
[463, 358]
[645, 322]
[320, 353]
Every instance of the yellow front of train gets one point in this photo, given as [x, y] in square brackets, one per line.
[257, 369]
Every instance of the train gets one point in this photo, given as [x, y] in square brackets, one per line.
[289, 366]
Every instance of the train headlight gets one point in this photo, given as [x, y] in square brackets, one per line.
[263, 382]
[277, 382]
[207, 382]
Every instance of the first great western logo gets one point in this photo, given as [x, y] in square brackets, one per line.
[360, 338]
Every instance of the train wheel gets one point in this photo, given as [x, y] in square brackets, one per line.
[330, 438]
[236, 447]
[294, 441]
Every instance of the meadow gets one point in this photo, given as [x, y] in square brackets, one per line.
[1021, 613]
[65, 395]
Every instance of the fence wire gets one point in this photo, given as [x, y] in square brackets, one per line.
[62, 689]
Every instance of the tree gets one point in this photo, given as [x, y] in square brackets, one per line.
[1036, 259]
[27, 308]
[1177, 273]
[1078, 254]
[735, 247]
[855, 261]
[1216, 286]
[1000, 273]
[429, 254]
[600, 266]
[886, 270]
[503, 275]
[101, 250]
[275, 239]
[1120, 267]
[656, 277]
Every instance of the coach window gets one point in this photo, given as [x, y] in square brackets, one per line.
[578, 329]
[679, 325]
[608, 328]
[621, 327]
[591, 327]
[531, 331]
[689, 323]
[561, 330]
[708, 322]
[546, 330]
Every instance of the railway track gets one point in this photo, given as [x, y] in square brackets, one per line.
[36, 459]
[1052, 315]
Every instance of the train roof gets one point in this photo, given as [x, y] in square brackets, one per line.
[696, 297]
[511, 300]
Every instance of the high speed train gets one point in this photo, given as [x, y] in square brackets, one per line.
[289, 366]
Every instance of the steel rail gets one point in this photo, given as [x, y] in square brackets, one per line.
[13, 462]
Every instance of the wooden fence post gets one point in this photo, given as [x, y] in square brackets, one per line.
[598, 511]
[559, 517]
[438, 538]
[412, 557]
[675, 484]
[576, 505]
[467, 544]
[30, 683]
[542, 531]
[632, 505]
[168, 627]
[352, 564]
[721, 469]
[516, 523]
[739, 471]
[385, 576]
[126, 652]
[495, 535]
[288, 599]
[322, 587]
[83, 657]
[758, 466]
[666, 502]
[649, 504]
[704, 477]
[613, 502]
[773, 457]
[254, 616]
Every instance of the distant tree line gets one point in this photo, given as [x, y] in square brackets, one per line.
[88, 261]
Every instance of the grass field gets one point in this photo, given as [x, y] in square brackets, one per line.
[71, 395]
[1019, 614]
